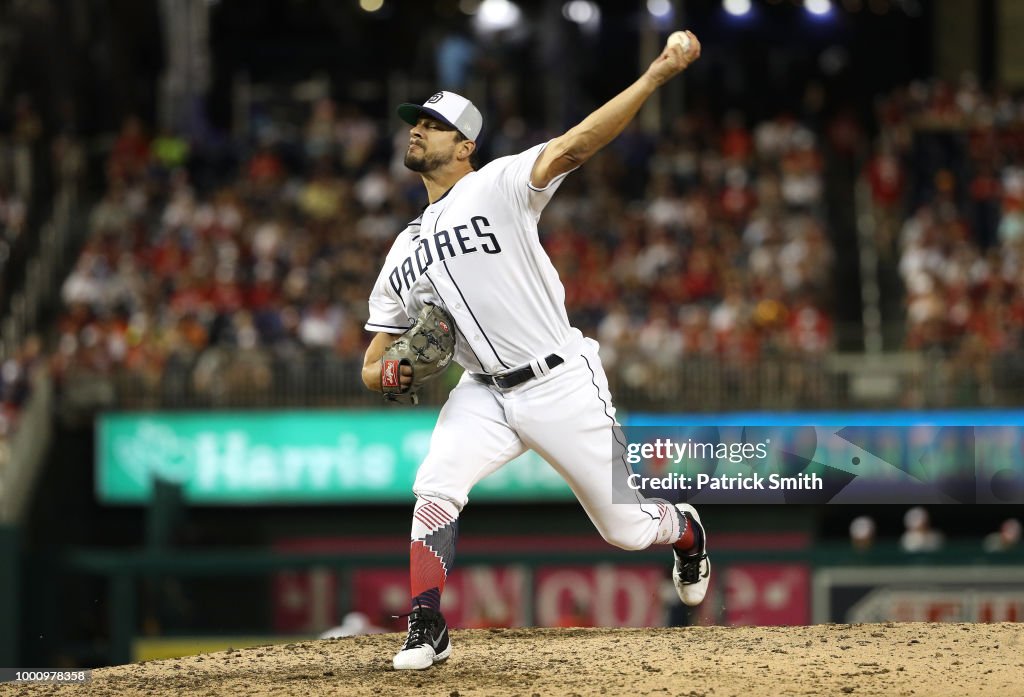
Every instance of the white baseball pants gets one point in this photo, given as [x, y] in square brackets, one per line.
[567, 417]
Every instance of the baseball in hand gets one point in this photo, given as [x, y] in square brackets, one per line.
[681, 38]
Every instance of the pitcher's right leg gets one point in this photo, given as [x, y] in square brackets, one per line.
[470, 441]
[435, 528]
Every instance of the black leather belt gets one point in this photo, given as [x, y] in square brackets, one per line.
[518, 376]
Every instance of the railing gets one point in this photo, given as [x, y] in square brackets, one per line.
[703, 384]
[40, 284]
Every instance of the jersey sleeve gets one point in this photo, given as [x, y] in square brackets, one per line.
[513, 179]
[387, 313]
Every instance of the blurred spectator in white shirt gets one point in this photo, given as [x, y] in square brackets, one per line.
[918, 535]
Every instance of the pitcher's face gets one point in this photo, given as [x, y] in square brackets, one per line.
[431, 145]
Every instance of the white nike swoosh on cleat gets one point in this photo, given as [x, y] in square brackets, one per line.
[440, 636]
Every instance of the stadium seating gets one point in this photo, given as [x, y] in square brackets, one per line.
[954, 188]
[204, 284]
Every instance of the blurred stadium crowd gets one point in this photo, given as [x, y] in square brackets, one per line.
[919, 534]
[708, 242]
[947, 186]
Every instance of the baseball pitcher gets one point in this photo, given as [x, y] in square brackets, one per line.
[469, 281]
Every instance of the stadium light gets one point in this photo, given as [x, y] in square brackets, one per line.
[737, 8]
[585, 14]
[819, 8]
[581, 11]
[661, 9]
[497, 15]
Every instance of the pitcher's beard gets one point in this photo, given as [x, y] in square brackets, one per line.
[418, 162]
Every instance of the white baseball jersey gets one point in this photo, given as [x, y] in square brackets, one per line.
[476, 252]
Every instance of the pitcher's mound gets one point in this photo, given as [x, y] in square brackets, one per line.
[864, 659]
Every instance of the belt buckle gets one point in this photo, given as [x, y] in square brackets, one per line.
[500, 380]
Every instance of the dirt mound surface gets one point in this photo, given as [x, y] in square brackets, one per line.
[863, 659]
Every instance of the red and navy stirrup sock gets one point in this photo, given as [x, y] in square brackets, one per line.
[692, 539]
[435, 530]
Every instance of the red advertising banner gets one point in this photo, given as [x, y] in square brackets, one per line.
[600, 596]
[475, 596]
[620, 593]
[767, 594]
[305, 602]
[482, 596]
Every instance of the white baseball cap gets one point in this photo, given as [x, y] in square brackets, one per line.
[447, 107]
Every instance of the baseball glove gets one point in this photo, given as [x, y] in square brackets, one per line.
[427, 347]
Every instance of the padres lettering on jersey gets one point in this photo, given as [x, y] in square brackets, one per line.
[476, 252]
[440, 246]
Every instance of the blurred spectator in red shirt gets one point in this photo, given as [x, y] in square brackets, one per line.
[129, 156]
[887, 182]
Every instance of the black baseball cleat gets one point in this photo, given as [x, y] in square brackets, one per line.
[428, 642]
[692, 572]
